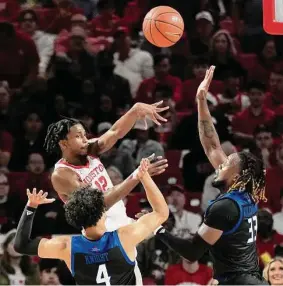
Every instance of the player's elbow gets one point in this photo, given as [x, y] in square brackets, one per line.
[163, 214]
[19, 246]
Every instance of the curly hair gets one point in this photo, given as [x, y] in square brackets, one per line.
[58, 131]
[84, 208]
[251, 177]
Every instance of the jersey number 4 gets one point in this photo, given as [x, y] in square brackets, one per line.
[102, 276]
[253, 229]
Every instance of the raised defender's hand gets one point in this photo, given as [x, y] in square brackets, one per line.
[157, 165]
[35, 199]
[151, 111]
[143, 168]
[204, 85]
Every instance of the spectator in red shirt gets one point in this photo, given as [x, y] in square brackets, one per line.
[256, 114]
[275, 98]
[232, 100]
[274, 182]
[187, 273]
[200, 65]
[267, 238]
[264, 147]
[162, 76]
[266, 62]
[164, 93]
[59, 18]
[106, 23]
[18, 57]
[9, 9]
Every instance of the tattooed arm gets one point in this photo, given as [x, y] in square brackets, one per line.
[207, 133]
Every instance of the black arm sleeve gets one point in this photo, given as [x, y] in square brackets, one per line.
[223, 215]
[23, 243]
[191, 249]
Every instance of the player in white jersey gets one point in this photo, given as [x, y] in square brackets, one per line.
[80, 165]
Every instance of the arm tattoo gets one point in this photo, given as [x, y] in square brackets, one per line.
[207, 129]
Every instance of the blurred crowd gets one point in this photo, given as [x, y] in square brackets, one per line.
[88, 59]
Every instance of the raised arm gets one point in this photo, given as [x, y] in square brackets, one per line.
[133, 234]
[121, 190]
[125, 124]
[207, 133]
[44, 248]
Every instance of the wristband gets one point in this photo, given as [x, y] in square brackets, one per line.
[135, 174]
[159, 230]
[30, 210]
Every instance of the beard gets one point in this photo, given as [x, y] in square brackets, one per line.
[220, 185]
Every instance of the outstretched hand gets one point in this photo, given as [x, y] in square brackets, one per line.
[35, 199]
[157, 167]
[204, 85]
[151, 111]
[143, 168]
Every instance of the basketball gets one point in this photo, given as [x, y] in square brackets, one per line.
[163, 26]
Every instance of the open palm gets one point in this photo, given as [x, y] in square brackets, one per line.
[204, 85]
[35, 199]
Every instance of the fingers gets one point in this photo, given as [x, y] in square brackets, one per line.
[160, 109]
[34, 191]
[159, 163]
[145, 124]
[159, 117]
[48, 201]
[158, 172]
[153, 118]
[28, 193]
[157, 103]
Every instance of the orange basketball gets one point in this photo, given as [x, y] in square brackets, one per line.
[163, 26]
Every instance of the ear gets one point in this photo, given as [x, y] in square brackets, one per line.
[63, 144]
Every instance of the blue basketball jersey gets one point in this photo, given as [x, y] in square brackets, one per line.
[101, 262]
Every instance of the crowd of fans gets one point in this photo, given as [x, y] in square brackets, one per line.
[88, 59]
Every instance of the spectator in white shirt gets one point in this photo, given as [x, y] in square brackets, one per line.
[133, 64]
[278, 217]
[186, 222]
[28, 21]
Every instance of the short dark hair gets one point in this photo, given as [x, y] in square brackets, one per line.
[165, 90]
[85, 207]
[28, 11]
[159, 58]
[200, 61]
[262, 128]
[46, 264]
[251, 177]
[104, 5]
[58, 131]
[257, 85]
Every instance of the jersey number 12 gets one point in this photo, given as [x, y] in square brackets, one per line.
[253, 229]
[102, 276]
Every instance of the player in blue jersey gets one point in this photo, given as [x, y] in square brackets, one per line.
[96, 257]
[230, 223]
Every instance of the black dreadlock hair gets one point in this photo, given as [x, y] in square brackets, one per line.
[252, 177]
[58, 131]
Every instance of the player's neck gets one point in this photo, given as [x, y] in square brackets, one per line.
[75, 160]
[95, 233]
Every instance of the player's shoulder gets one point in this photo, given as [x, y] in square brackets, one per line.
[224, 205]
[62, 174]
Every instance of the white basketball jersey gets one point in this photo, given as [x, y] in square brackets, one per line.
[94, 174]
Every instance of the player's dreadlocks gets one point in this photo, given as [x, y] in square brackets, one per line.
[252, 177]
[56, 132]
